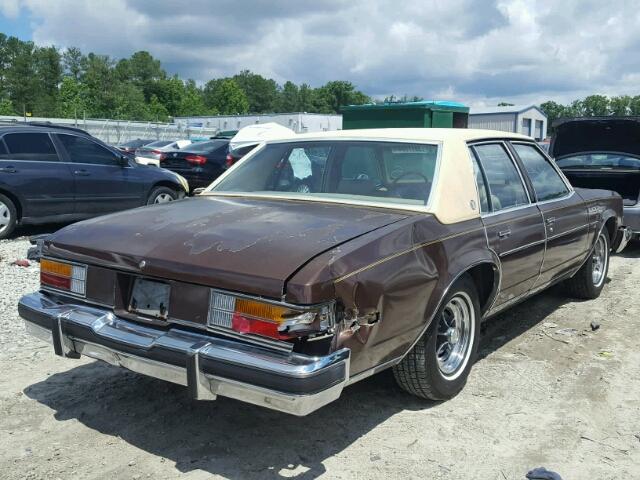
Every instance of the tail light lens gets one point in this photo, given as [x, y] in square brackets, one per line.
[196, 159]
[229, 160]
[163, 156]
[281, 322]
[63, 276]
[156, 152]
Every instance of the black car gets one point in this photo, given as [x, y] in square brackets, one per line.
[200, 163]
[60, 174]
[132, 145]
[235, 154]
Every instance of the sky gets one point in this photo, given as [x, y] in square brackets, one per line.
[479, 52]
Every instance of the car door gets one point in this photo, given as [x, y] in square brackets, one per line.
[31, 168]
[514, 225]
[565, 214]
[102, 183]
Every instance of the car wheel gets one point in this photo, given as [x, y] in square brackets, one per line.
[589, 281]
[8, 217]
[162, 195]
[438, 365]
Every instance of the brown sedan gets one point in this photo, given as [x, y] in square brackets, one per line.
[320, 260]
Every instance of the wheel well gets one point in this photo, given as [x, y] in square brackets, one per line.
[15, 201]
[165, 183]
[610, 225]
[485, 278]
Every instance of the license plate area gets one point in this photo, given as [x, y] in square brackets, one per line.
[150, 299]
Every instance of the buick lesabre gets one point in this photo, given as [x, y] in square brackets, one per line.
[319, 260]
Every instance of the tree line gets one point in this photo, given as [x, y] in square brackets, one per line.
[593, 106]
[48, 82]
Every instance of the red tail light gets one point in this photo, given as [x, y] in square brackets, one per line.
[156, 152]
[196, 159]
[229, 161]
[163, 156]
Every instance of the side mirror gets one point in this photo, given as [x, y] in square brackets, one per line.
[198, 191]
[123, 161]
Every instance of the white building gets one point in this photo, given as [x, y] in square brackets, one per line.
[526, 119]
[298, 122]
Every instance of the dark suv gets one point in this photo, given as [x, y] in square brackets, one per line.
[60, 174]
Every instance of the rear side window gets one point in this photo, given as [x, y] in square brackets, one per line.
[505, 185]
[546, 181]
[30, 146]
[83, 150]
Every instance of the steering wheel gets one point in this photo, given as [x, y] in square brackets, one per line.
[394, 182]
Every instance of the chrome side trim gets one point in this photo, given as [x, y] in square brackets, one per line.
[567, 232]
[522, 247]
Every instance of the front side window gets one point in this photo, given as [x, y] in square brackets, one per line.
[505, 185]
[398, 173]
[83, 150]
[30, 146]
[547, 183]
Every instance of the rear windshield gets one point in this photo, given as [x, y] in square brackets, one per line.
[371, 172]
[159, 143]
[206, 147]
[600, 161]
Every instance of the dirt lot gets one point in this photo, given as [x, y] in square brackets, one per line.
[547, 391]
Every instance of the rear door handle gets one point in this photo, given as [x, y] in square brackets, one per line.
[8, 170]
[82, 173]
[504, 233]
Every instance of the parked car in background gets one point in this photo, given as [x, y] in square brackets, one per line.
[247, 138]
[233, 155]
[132, 145]
[62, 174]
[400, 244]
[602, 152]
[150, 154]
[200, 163]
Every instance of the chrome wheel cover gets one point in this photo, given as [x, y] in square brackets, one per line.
[599, 261]
[455, 335]
[163, 198]
[5, 217]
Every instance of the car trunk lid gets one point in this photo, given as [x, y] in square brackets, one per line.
[239, 244]
[597, 134]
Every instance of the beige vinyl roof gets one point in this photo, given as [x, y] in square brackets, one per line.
[418, 134]
[454, 195]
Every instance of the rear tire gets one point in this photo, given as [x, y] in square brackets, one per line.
[162, 195]
[438, 365]
[589, 281]
[8, 217]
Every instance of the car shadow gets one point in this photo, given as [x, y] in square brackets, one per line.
[30, 230]
[225, 437]
[237, 440]
[631, 251]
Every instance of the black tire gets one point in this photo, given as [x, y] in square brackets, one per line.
[583, 284]
[420, 372]
[162, 195]
[8, 217]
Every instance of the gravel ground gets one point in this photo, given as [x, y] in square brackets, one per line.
[546, 391]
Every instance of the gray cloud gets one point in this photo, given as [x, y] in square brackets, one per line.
[474, 51]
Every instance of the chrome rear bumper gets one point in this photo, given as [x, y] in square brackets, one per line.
[207, 365]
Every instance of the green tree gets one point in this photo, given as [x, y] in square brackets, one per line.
[341, 93]
[226, 97]
[288, 98]
[20, 78]
[621, 105]
[6, 107]
[261, 93]
[74, 63]
[48, 70]
[192, 102]
[72, 98]
[595, 106]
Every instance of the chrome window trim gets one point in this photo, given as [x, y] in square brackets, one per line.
[426, 208]
[503, 143]
[549, 160]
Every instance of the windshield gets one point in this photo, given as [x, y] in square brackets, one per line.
[374, 172]
[600, 160]
[206, 147]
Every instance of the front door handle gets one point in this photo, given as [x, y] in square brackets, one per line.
[82, 173]
[504, 233]
[8, 170]
[550, 220]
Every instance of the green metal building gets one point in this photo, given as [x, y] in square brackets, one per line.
[425, 114]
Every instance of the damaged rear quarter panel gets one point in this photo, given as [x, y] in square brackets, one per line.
[394, 278]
